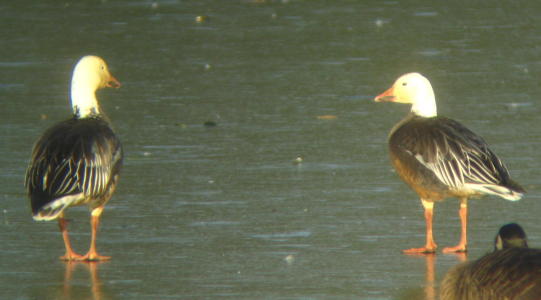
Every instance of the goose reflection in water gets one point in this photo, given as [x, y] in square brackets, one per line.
[68, 292]
[430, 290]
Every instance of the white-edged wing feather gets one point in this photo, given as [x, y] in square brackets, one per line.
[72, 163]
[460, 159]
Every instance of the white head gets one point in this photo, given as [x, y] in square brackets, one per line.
[415, 89]
[90, 74]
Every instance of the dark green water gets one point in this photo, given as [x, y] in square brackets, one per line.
[222, 212]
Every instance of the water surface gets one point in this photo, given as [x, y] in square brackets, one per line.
[212, 212]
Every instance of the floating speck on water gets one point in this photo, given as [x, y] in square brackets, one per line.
[207, 66]
[430, 52]
[201, 19]
[516, 105]
[146, 153]
[298, 160]
[210, 124]
[326, 117]
[426, 14]
[379, 22]
[154, 5]
[512, 105]
[211, 181]
[289, 259]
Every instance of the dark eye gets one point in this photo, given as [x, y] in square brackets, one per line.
[404, 83]
[102, 67]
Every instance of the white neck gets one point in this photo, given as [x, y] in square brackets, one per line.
[83, 99]
[425, 104]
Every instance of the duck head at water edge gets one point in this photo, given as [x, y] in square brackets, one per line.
[510, 236]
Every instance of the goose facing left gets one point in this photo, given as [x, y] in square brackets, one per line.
[77, 161]
[441, 158]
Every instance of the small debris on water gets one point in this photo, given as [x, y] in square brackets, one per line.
[289, 259]
[326, 117]
[210, 124]
[201, 19]
[6, 222]
[298, 160]
[380, 22]
[516, 105]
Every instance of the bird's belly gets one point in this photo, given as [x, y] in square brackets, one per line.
[421, 180]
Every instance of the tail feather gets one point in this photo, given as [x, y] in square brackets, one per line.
[497, 190]
[53, 209]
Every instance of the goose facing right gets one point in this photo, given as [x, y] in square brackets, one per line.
[77, 161]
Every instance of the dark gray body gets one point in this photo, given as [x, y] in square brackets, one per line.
[80, 158]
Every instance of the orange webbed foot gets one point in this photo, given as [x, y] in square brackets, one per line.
[94, 256]
[455, 249]
[422, 250]
[71, 256]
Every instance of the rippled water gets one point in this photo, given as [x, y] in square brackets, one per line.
[206, 212]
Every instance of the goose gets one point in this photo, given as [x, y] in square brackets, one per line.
[77, 161]
[511, 272]
[440, 158]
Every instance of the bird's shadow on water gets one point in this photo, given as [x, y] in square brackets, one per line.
[429, 289]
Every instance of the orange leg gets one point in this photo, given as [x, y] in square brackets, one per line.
[70, 254]
[463, 213]
[430, 246]
[92, 254]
